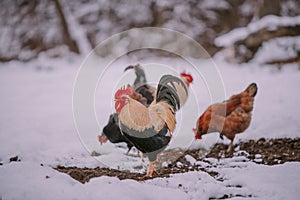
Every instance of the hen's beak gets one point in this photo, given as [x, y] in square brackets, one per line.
[197, 136]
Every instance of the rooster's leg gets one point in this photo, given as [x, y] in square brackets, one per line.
[129, 148]
[151, 169]
[127, 153]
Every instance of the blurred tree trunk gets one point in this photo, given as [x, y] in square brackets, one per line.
[233, 18]
[269, 7]
[70, 42]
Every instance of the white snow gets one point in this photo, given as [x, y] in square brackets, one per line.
[247, 180]
[190, 159]
[278, 49]
[214, 4]
[36, 123]
[265, 182]
[269, 22]
[28, 181]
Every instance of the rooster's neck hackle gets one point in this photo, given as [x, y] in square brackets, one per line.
[138, 117]
[135, 115]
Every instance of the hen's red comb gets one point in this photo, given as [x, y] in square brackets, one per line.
[188, 76]
[123, 91]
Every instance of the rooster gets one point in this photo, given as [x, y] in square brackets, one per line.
[229, 117]
[150, 128]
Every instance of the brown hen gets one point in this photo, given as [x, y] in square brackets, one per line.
[229, 117]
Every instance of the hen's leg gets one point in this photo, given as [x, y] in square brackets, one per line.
[221, 136]
[230, 147]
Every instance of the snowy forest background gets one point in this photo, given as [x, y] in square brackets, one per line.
[57, 28]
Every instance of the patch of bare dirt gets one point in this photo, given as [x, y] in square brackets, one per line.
[268, 152]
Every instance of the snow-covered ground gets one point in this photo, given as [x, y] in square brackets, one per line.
[36, 123]
[27, 180]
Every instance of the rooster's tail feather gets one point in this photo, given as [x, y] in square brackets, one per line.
[168, 91]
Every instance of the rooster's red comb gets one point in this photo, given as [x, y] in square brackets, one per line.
[123, 91]
[188, 76]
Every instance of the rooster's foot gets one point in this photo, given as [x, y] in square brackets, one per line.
[151, 170]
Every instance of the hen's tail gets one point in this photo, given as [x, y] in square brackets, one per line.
[252, 89]
[243, 100]
[172, 90]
